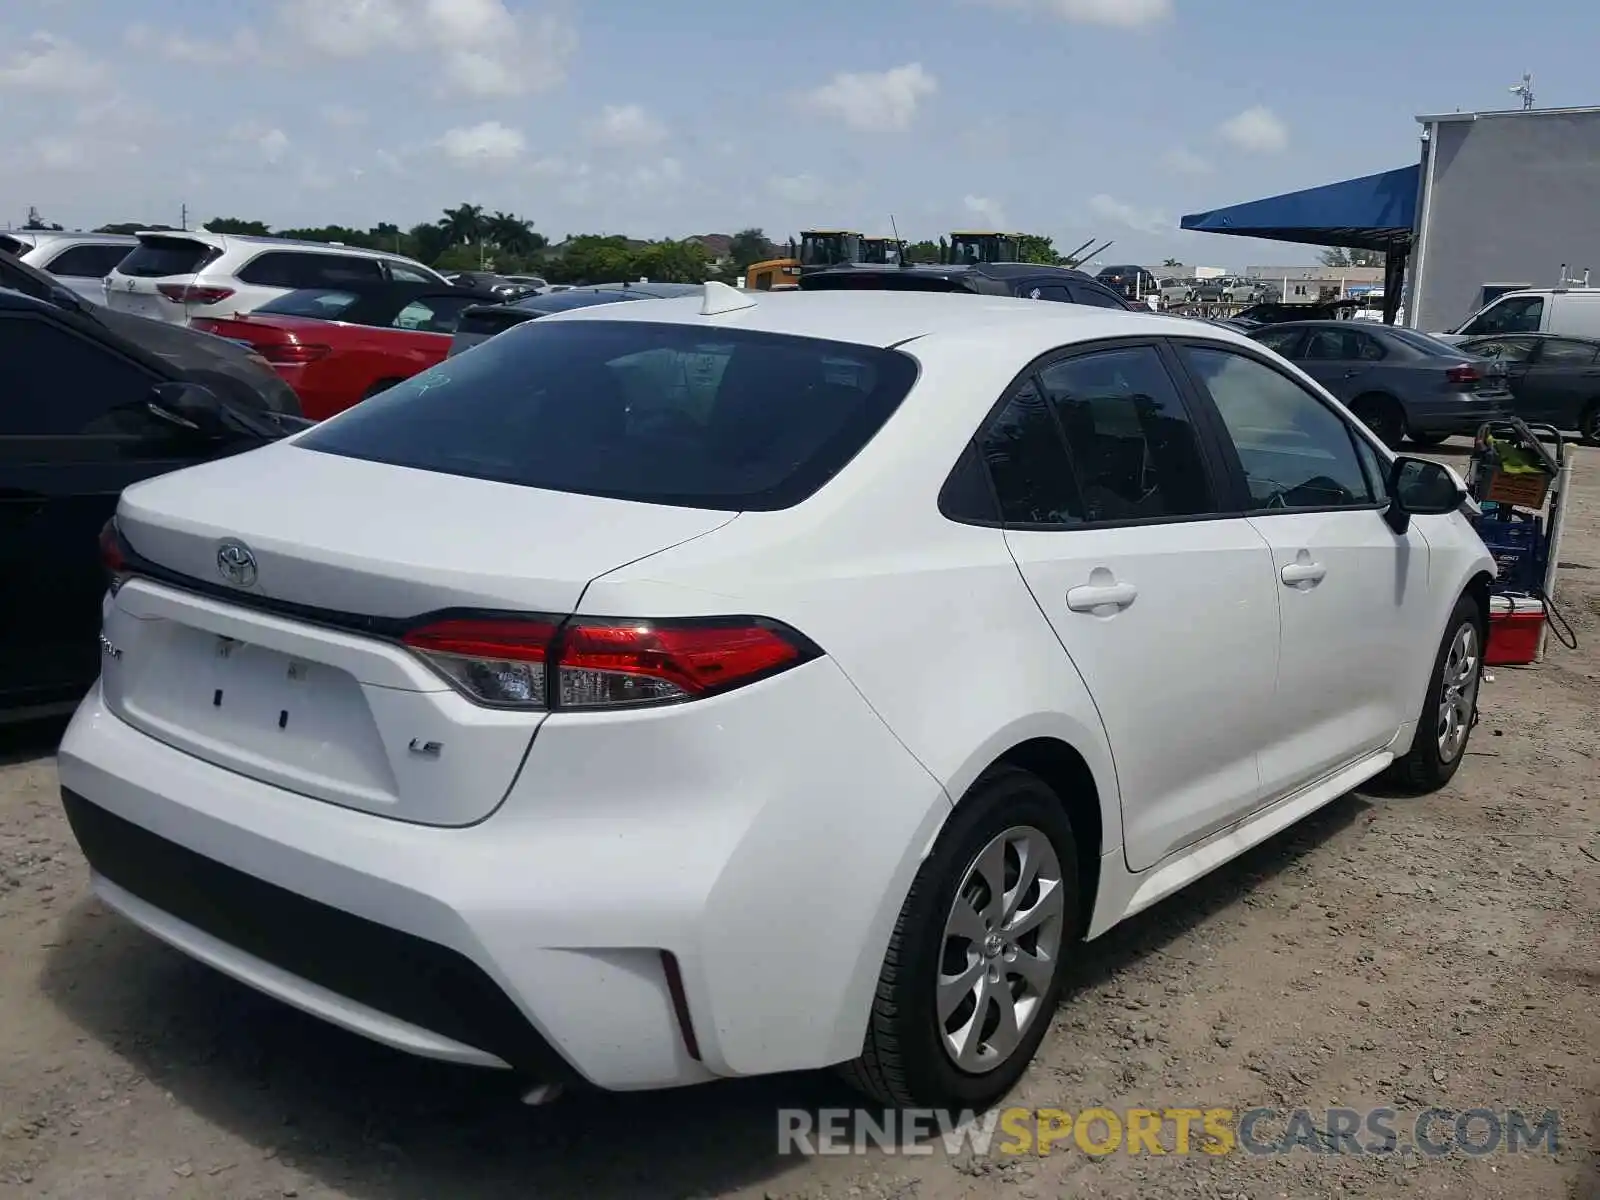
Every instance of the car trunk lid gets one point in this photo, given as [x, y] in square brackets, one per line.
[291, 671]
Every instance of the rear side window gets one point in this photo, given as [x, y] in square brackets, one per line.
[325, 303]
[1558, 352]
[87, 262]
[294, 269]
[665, 414]
[1097, 297]
[158, 257]
[1028, 462]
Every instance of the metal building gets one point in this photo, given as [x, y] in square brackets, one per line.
[1497, 199]
[1506, 199]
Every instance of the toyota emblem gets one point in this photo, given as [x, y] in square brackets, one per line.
[236, 564]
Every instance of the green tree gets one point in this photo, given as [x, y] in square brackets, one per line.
[463, 224]
[237, 225]
[513, 235]
[673, 262]
[593, 258]
[749, 246]
[1034, 249]
[427, 241]
[1170, 262]
[925, 251]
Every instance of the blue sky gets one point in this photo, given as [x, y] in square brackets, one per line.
[1073, 118]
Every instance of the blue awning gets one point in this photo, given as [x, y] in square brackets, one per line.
[1375, 212]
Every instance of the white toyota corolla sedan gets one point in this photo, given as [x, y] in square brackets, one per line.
[700, 688]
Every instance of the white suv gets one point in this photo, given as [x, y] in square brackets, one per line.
[81, 261]
[176, 276]
[699, 688]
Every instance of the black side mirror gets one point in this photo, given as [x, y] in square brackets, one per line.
[1420, 488]
[192, 407]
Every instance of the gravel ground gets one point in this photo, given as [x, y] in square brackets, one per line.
[1394, 952]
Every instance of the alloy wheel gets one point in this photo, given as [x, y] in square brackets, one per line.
[1002, 941]
[1458, 692]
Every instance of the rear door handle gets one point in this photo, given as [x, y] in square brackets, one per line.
[1296, 574]
[1094, 598]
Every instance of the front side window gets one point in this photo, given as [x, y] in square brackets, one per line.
[1560, 352]
[1514, 314]
[1134, 452]
[1097, 297]
[660, 413]
[402, 273]
[1296, 452]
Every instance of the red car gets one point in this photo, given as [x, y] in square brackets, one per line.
[336, 347]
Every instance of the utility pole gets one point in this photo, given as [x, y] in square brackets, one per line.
[183, 217]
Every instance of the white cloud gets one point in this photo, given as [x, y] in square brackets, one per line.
[652, 177]
[1258, 130]
[489, 143]
[477, 48]
[1118, 14]
[242, 46]
[341, 116]
[1184, 161]
[799, 190]
[987, 210]
[1143, 220]
[875, 101]
[624, 125]
[347, 28]
[47, 63]
[270, 142]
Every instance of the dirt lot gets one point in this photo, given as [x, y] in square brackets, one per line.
[1386, 952]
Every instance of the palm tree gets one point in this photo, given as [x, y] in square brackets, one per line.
[463, 223]
[511, 233]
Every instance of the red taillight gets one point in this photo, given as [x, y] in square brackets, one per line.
[541, 663]
[193, 293]
[1465, 373]
[112, 555]
[292, 352]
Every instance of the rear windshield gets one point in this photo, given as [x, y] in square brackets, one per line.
[660, 413]
[562, 301]
[154, 258]
[311, 302]
[1427, 343]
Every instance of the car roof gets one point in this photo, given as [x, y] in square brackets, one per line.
[226, 241]
[891, 318]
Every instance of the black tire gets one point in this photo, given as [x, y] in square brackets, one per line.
[1424, 768]
[1384, 416]
[1428, 439]
[904, 1062]
[1589, 424]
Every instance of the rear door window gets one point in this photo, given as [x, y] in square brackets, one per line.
[87, 262]
[1560, 352]
[666, 414]
[1096, 297]
[308, 269]
[159, 257]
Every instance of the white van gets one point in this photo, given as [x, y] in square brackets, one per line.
[1571, 311]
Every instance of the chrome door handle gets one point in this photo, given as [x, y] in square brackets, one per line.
[1309, 573]
[1091, 597]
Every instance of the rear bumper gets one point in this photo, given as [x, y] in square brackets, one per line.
[765, 843]
[1453, 415]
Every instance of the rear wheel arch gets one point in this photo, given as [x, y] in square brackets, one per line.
[1061, 768]
[1384, 405]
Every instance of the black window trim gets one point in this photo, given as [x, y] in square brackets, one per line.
[1230, 453]
[1203, 417]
